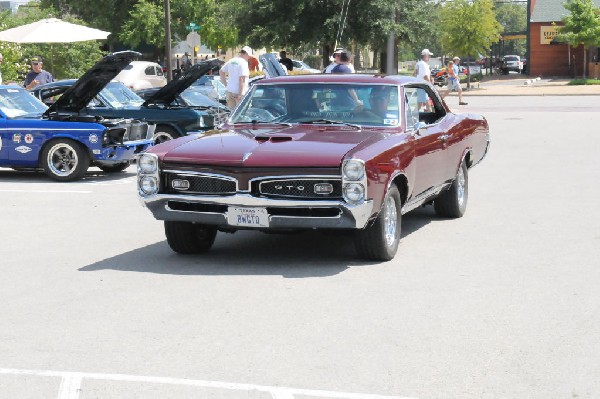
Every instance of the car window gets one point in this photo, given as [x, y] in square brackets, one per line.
[150, 70]
[159, 71]
[18, 102]
[422, 105]
[364, 104]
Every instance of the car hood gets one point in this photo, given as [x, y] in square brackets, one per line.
[315, 146]
[78, 96]
[167, 94]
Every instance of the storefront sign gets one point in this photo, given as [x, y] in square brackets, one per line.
[548, 33]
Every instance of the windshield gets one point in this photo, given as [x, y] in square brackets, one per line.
[195, 98]
[16, 102]
[359, 104]
[118, 95]
[511, 58]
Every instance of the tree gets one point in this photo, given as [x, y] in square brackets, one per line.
[470, 28]
[513, 18]
[581, 26]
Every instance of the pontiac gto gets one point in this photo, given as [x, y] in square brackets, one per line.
[317, 152]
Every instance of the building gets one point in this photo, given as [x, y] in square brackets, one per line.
[547, 57]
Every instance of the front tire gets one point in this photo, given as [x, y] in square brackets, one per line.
[164, 133]
[189, 238]
[379, 240]
[64, 160]
[116, 168]
[452, 203]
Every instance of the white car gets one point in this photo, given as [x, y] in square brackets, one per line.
[303, 66]
[140, 75]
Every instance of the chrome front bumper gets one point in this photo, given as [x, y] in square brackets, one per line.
[349, 216]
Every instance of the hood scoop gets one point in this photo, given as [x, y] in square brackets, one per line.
[273, 139]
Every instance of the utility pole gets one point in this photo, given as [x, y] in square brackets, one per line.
[391, 50]
[168, 40]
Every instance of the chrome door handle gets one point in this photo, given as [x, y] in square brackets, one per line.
[444, 137]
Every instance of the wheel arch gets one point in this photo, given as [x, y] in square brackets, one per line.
[401, 181]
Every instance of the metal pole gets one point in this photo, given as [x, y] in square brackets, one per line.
[168, 40]
[391, 53]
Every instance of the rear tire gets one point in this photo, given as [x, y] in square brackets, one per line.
[452, 203]
[64, 160]
[379, 240]
[189, 238]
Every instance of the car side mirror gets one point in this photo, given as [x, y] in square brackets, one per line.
[418, 126]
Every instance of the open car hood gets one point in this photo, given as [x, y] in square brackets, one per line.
[78, 96]
[271, 66]
[167, 94]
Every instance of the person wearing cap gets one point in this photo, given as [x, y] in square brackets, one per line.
[340, 57]
[37, 75]
[283, 59]
[234, 74]
[422, 71]
[252, 62]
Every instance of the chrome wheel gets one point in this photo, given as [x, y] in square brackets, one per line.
[390, 221]
[460, 185]
[62, 159]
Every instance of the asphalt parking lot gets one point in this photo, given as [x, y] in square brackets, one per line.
[502, 303]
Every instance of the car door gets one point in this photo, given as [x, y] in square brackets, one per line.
[425, 115]
[4, 142]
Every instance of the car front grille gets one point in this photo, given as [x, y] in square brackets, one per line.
[135, 130]
[199, 184]
[313, 188]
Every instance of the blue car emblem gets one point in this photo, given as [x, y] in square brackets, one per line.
[23, 149]
[93, 138]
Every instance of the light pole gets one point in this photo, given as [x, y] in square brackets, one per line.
[168, 40]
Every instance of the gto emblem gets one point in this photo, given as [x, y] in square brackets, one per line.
[179, 184]
[323, 188]
[289, 187]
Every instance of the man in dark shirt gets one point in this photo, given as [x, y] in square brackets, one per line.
[37, 76]
[286, 61]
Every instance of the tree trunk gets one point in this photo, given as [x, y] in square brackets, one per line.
[326, 54]
[585, 50]
[468, 73]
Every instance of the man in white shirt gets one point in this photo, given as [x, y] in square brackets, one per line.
[422, 71]
[340, 57]
[237, 82]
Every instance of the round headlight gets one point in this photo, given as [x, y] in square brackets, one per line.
[353, 170]
[148, 185]
[354, 192]
[147, 164]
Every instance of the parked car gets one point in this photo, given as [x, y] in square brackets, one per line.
[118, 101]
[212, 87]
[63, 140]
[142, 75]
[511, 63]
[299, 153]
[304, 67]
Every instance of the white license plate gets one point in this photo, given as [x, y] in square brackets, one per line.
[247, 217]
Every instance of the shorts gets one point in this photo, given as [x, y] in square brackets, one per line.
[454, 85]
[422, 96]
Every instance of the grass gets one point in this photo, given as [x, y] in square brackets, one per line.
[579, 82]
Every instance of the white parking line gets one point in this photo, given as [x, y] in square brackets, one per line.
[47, 191]
[71, 385]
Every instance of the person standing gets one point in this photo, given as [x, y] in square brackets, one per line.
[422, 71]
[252, 62]
[340, 57]
[283, 59]
[454, 81]
[37, 75]
[234, 75]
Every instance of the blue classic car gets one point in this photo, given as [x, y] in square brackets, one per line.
[172, 120]
[62, 140]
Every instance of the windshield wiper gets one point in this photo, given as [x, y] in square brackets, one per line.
[330, 122]
[255, 122]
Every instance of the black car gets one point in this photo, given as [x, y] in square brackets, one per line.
[115, 100]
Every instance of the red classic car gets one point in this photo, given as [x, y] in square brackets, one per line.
[317, 152]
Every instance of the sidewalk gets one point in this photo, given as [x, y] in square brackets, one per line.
[518, 87]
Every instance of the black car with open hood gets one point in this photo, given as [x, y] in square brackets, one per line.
[95, 94]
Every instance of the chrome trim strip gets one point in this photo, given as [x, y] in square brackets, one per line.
[353, 216]
[424, 197]
[203, 174]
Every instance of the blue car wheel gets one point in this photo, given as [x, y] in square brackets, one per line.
[64, 160]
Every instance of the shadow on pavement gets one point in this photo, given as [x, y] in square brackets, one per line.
[38, 176]
[293, 255]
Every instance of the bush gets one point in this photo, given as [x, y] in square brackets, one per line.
[314, 61]
[579, 82]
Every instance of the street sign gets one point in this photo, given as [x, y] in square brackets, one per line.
[193, 39]
[192, 26]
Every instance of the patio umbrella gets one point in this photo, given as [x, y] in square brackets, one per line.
[51, 30]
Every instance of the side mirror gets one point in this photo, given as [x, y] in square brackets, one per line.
[418, 126]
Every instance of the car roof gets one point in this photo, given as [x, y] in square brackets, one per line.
[343, 78]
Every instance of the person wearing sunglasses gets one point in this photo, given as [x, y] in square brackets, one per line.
[37, 75]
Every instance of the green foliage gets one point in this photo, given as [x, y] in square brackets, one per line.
[581, 26]
[470, 28]
[314, 61]
[580, 82]
[69, 60]
[513, 18]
